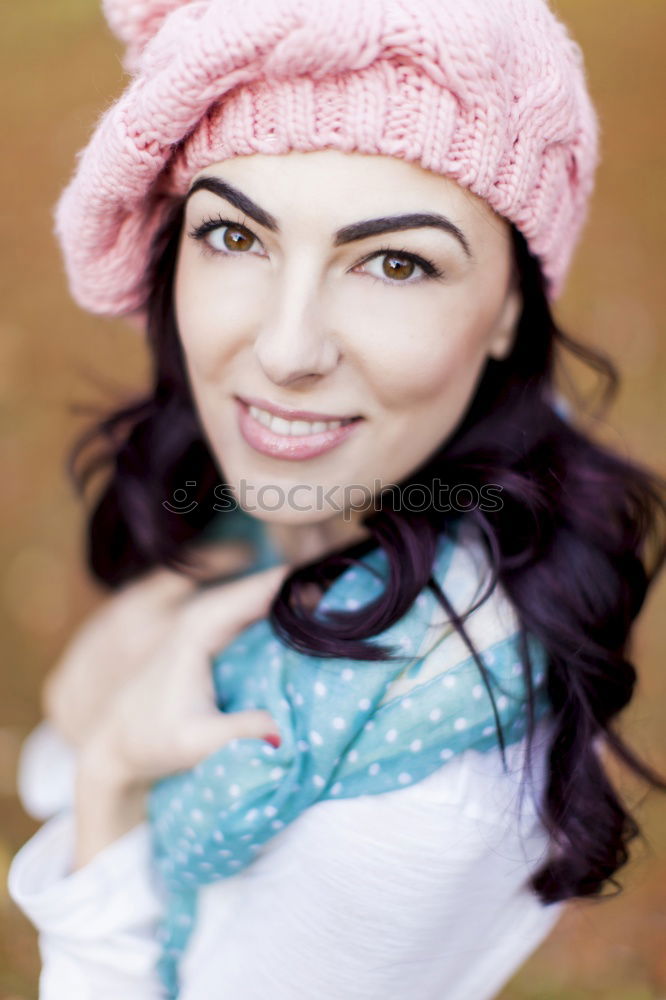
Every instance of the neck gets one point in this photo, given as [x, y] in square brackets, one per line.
[301, 543]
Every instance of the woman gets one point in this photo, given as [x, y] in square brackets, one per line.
[242, 200]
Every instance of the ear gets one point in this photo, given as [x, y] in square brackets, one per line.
[503, 337]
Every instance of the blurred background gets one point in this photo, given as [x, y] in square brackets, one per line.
[61, 68]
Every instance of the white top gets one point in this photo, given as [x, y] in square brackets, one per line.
[414, 892]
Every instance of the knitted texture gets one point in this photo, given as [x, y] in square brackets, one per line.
[491, 93]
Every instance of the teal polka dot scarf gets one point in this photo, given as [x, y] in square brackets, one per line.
[348, 728]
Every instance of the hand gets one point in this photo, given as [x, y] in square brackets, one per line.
[165, 718]
[117, 639]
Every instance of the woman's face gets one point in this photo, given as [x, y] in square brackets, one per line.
[298, 287]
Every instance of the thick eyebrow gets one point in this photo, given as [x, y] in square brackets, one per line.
[348, 234]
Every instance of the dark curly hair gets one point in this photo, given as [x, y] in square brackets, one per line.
[570, 545]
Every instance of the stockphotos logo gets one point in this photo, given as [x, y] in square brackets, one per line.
[343, 499]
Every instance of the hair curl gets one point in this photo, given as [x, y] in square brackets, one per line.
[570, 546]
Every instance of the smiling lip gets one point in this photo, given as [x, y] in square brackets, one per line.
[289, 414]
[289, 446]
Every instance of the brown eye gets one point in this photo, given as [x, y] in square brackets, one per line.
[397, 267]
[232, 238]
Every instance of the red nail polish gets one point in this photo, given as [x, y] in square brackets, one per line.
[273, 739]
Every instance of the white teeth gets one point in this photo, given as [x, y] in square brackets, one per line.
[279, 425]
[293, 427]
[261, 415]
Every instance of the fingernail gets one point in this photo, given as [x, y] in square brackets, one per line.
[273, 739]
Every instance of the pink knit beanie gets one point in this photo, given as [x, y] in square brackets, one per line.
[490, 93]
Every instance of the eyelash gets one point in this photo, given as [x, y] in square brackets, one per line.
[431, 271]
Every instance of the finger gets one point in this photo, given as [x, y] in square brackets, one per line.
[212, 618]
[208, 734]
[162, 584]
[210, 561]
[200, 564]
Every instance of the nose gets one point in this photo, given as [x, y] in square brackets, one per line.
[295, 342]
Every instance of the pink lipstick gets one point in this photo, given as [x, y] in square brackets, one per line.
[294, 447]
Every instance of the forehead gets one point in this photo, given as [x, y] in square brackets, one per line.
[332, 188]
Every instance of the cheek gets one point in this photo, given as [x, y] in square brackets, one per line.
[208, 317]
[425, 355]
